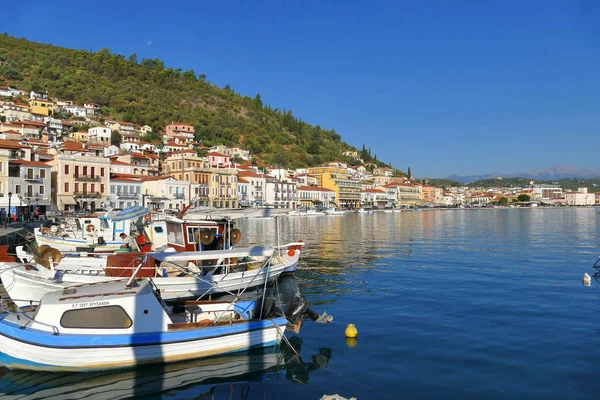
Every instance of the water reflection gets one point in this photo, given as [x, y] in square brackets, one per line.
[186, 379]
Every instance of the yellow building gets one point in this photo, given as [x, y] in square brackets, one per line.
[213, 187]
[38, 106]
[347, 190]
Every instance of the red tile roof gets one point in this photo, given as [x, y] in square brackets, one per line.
[314, 189]
[30, 163]
[214, 153]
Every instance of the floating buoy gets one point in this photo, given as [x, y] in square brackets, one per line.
[351, 341]
[587, 280]
[351, 331]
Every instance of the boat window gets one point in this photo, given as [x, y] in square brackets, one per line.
[191, 232]
[158, 229]
[105, 225]
[175, 233]
[110, 317]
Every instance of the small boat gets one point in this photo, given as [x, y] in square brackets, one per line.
[361, 211]
[127, 323]
[335, 211]
[89, 231]
[177, 275]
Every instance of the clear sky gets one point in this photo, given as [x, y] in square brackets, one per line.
[445, 87]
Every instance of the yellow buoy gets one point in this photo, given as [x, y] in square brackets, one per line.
[351, 331]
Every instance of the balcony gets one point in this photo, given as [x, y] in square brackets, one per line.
[87, 178]
[128, 196]
[35, 197]
[179, 196]
[32, 177]
[88, 194]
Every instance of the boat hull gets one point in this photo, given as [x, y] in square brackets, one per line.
[72, 244]
[24, 284]
[32, 349]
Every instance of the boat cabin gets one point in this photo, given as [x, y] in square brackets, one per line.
[115, 308]
[185, 234]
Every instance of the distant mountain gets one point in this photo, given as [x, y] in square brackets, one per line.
[554, 173]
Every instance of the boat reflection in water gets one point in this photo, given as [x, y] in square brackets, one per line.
[190, 379]
[186, 379]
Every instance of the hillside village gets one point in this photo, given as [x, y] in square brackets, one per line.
[59, 156]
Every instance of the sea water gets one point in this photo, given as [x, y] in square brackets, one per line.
[453, 304]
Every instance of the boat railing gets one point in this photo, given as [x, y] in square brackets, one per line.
[21, 315]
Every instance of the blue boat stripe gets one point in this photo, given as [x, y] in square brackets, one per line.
[75, 341]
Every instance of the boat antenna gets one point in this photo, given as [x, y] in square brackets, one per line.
[277, 231]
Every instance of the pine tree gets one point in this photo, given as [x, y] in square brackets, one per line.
[409, 174]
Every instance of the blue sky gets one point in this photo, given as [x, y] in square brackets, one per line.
[445, 87]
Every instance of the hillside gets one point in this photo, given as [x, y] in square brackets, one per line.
[145, 92]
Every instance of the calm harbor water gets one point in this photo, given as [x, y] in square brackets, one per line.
[448, 304]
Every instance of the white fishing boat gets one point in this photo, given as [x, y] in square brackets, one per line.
[97, 231]
[126, 323]
[335, 211]
[176, 274]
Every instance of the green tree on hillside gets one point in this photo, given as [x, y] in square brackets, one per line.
[523, 197]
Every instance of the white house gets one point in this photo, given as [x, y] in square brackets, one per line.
[125, 192]
[374, 198]
[281, 194]
[243, 192]
[311, 197]
[580, 198]
[99, 134]
[130, 146]
[165, 193]
[76, 110]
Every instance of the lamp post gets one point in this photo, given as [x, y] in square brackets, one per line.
[9, 196]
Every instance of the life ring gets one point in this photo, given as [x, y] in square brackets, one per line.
[147, 217]
[90, 228]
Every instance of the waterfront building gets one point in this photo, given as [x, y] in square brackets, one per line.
[256, 187]
[375, 198]
[164, 193]
[243, 190]
[306, 180]
[335, 177]
[30, 184]
[580, 198]
[547, 192]
[4, 158]
[80, 179]
[188, 166]
[408, 194]
[597, 198]
[312, 197]
[125, 192]
[281, 194]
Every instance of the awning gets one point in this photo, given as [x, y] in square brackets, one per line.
[68, 200]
